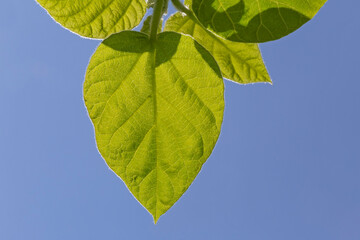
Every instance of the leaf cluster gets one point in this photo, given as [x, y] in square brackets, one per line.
[156, 99]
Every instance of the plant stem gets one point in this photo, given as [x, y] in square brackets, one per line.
[156, 17]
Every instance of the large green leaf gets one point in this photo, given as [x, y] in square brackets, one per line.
[157, 110]
[96, 18]
[239, 62]
[254, 20]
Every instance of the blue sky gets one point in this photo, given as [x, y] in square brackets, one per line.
[286, 166]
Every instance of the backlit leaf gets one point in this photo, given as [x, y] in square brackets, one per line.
[239, 62]
[157, 110]
[96, 18]
[254, 20]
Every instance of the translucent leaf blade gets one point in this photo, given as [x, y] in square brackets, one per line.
[239, 62]
[96, 18]
[254, 21]
[157, 112]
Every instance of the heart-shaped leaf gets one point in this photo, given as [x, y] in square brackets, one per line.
[157, 109]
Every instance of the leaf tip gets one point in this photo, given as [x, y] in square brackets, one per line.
[156, 218]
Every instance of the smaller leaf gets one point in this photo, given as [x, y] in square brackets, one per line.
[147, 23]
[96, 18]
[239, 62]
[254, 21]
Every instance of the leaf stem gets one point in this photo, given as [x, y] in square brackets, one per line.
[182, 8]
[155, 20]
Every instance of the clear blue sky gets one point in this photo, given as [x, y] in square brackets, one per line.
[286, 166]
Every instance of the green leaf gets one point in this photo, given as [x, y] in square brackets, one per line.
[157, 110]
[239, 62]
[147, 23]
[96, 18]
[254, 20]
